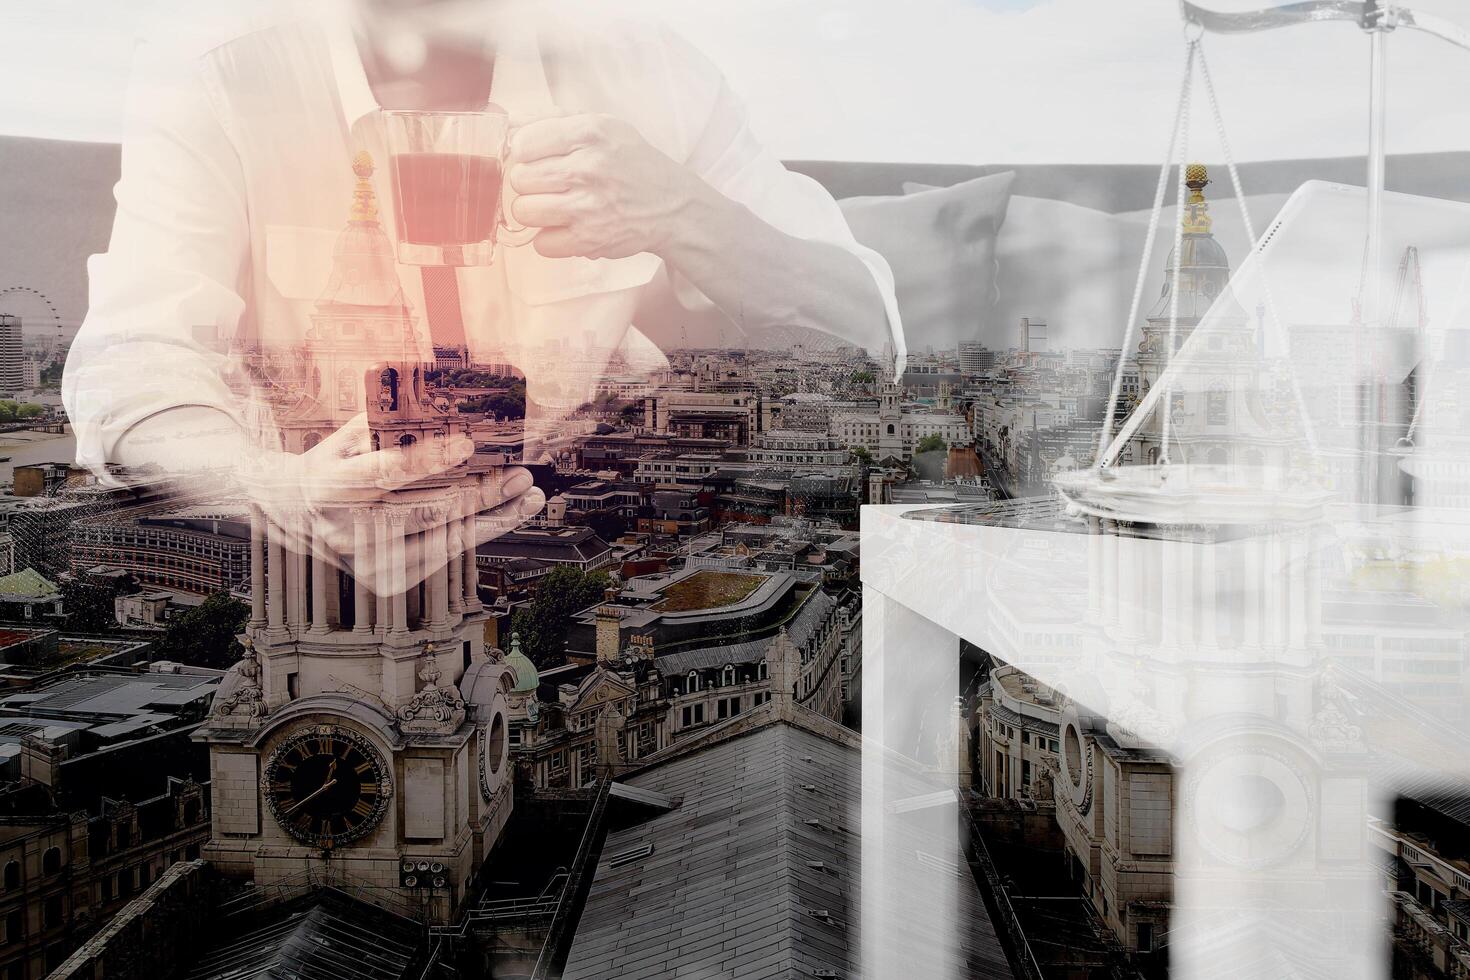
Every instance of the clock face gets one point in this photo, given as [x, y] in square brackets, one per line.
[493, 751]
[327, 786]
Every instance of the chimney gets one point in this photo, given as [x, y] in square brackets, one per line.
[783, 666]
[609, 619]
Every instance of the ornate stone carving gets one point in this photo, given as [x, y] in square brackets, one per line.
[436, 707]
[1332, 729]
[246, 698]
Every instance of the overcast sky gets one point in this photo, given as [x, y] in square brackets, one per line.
[960, 81]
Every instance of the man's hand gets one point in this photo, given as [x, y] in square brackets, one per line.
[597, 189]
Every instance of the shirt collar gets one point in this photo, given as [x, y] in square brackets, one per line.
[520, 85]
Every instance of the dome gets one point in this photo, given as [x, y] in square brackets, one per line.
[527, 679]
[364, 270]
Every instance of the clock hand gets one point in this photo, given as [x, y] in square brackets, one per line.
[311, 796]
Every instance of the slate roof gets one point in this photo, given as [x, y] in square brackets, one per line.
[577, 545]
[27, 583]
[329, 936]
[813, 612]
[728, 889]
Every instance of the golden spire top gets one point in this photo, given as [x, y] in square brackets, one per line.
[364, 198]
[1196, 217]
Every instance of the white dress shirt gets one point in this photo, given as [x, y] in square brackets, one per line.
[237, 177]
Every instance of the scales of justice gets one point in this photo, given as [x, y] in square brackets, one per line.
[1226, 774]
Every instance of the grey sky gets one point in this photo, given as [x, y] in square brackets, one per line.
[925, 80]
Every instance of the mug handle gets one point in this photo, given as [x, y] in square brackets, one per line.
[514, 237]
[506, 234]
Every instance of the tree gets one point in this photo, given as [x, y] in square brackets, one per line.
[861, 454]
[29, 410]
[862, 377]
[543, 622]
[88, 607]
[8, 408]
[205, 635]
[931, 443]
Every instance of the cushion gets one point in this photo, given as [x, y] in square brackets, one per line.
[1074, 266]
[941, 245]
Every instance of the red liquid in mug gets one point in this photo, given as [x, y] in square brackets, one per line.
[445, 198]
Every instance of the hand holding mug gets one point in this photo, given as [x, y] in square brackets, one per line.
[596, 188]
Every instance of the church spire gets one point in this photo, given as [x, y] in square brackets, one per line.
[364, 198]
[1196, 217]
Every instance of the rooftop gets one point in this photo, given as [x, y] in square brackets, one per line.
[756, 873]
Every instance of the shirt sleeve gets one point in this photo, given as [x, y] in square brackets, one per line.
[726, 154]
[170, 284]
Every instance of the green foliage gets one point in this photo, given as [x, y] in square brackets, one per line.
[543, 623]
[11, 410]
[931, 443]
[861, 454]
[205, 635]
[862, 377]
[88, 607]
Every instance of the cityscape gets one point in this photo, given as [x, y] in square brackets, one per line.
[572, 700]
[470, 508]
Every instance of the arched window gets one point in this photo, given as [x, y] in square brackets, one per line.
[51, 861]
[406, 440]
[12, 875]
[694, 680]
[388, 390]
[729, 675]
[763, 671]
[1217, 406]
[890, 428]
[311, 441]
[1218, 456]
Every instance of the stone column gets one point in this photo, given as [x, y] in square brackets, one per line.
[382, 576]
[398, 563]
[436, 557]
[1110, 572]
[1131, 613]
[1313, 590]
[1189, 596]
[257, 568]
[1208, 590]
[1275, 583]
[321, 574]
[1251, 586]
[1172, 564]
[471, 573]
[296, 575]
[276, 597]
[361, 568]
[454, 533]
[1094, 569]
[1298, 557]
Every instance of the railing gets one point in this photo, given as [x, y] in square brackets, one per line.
[1024, 960]
[562, 918]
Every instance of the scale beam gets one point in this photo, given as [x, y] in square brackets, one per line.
[1369, 15]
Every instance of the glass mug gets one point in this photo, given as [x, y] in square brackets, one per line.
[446, 170]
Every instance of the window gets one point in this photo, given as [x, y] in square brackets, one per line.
[699, 714]
[51, 861]
[1217, 406]
[15, 928]
[106, 889]
[53, 913]
[12, 875]
[722, 708]
[688, 717]
[1145, 937]
[728, 679]
[693, 680]
[125, 882]
[1025, 737]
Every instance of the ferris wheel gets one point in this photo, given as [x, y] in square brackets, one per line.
[34, 308]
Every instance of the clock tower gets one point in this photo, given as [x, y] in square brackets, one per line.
[361, 738]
